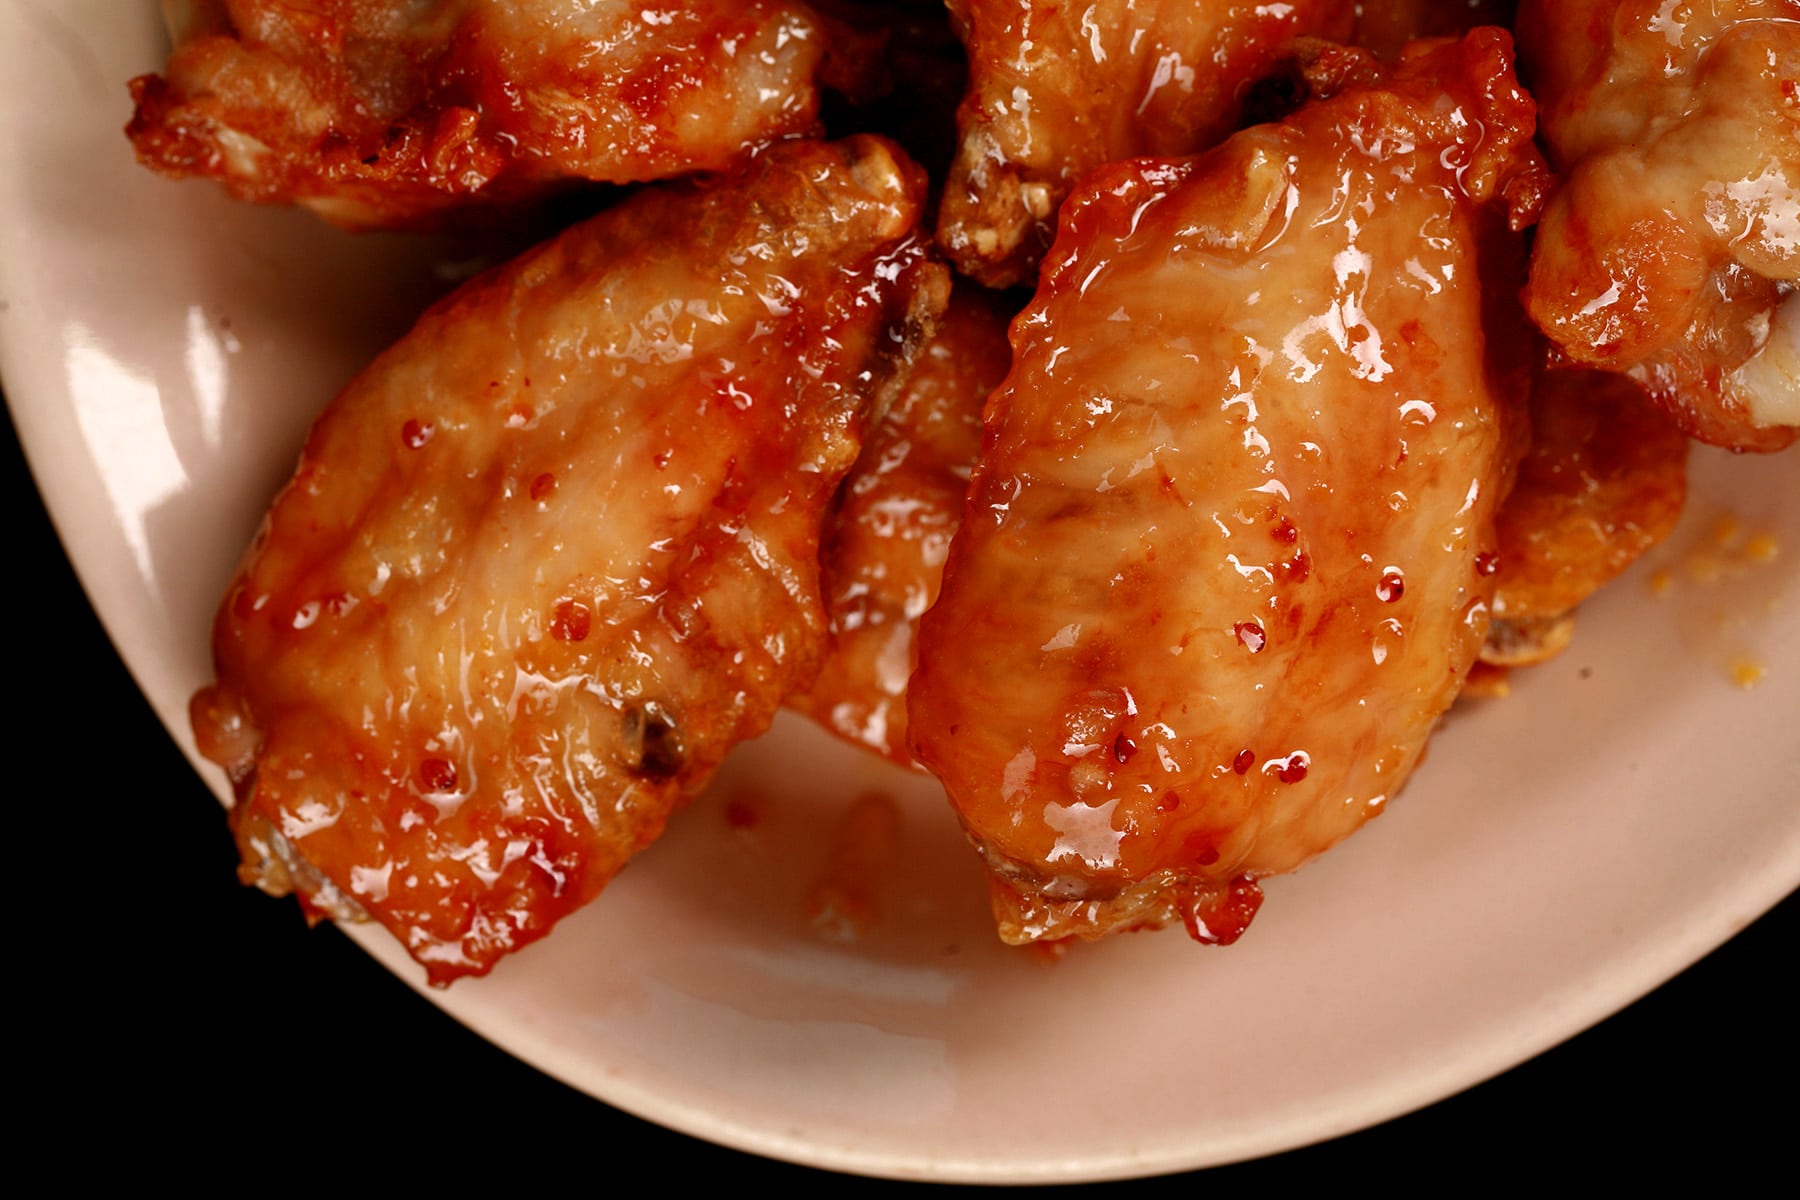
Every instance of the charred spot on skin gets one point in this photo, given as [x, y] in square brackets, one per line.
[652, 731]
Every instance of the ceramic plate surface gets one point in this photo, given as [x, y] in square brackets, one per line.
[1560, 853]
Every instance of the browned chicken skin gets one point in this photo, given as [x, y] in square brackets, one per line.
[1672, 251]
[1605, 480]
[1058, 89]
[890, 531]
[556, 552]
[389, 112]
[1228, 550]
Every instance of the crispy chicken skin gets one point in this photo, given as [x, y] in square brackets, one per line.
[1058, 89]
[1672, 252]
[1605, 480]
[391, 112]
[1222, 567]
[556, 552]
[889, 533]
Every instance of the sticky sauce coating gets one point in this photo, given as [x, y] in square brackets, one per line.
[390, 112]
[1671, 251]
[1055, 90]
[1218, 572]
[1605, 480]
[463, 678]
[890, 531]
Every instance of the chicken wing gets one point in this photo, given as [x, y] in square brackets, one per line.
[1057, 89]
[1220, 570]
[889, 534]
[390, 112]
[556, 552]
[1605, 480]
[1672, 252]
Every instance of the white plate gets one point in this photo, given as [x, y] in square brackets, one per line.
[1561, 853]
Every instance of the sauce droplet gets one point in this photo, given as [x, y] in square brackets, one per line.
[1123, 748]
[571, 621]
[1487, 563]
[1251, 634]
[543, 487]
[415, 434]
[437, 775]
[1291, 769]
[1220, 918]
[1392, 585]
[1244, 761]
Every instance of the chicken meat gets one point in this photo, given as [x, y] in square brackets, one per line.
[1672, 251]
[394, 113]
[890, 531]
[556, 552]
[1605, 481]
[1058, 89]
[1228, 551]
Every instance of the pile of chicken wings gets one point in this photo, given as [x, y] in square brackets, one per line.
[1143, 416]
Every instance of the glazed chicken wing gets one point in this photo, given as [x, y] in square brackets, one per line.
[1605, 480]
[1672, 252]
[556, 552]
[1227, 553]
[1057, 89]
[389, 112]
[890, 531]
